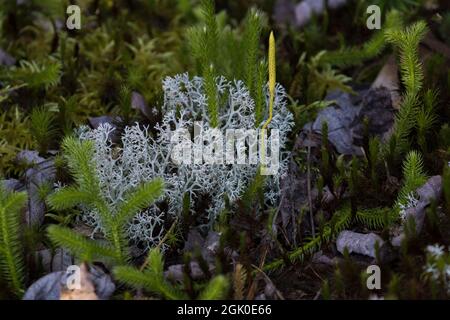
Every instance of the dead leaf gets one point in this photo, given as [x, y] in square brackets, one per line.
[358, 243]
[388, 78]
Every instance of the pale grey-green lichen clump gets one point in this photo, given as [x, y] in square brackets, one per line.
[142, 157]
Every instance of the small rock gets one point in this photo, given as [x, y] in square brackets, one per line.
[431, 190]
[358, 243]
[40, 172]
[303, 11]
[345, 118]
[270, 290]
[261, 296]
[54, 285]
[320, 258]
[212, 242]
[175, 272]
[138, 103]
[46, 288]
[6, 59]
[208, 246]
[12, 185]
[284, 12]
[194, 241]
[29, 158]
[303, 14]
[59, 261]
[317, 6]
[334, 4]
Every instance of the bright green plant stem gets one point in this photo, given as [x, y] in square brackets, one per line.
[11, 259]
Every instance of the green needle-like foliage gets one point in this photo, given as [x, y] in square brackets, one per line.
[125, 96]
[86, 249]
[260, 92]
[252, 35]
[339, 222]
[254, 192]
[410, 66]
[211, 95]
[222, 51]
[211, 30]
[79, 155]
[376, 218]
[11, 248]
[352, 56]
[43, 128]
[216, 289]
[204, 40]
[413, 175]
[14, 136]
[426, 117]
[152, 279]
[407, 41]
[37, 75]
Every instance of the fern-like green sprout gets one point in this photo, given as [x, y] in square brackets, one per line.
[376, 218]
[260, 93]
[426, 117]
[11, 248]
[14, 136]
[80, 246]
[216, 289]
[413, 175]
[204, 39]
[42, 128]
[125, 103]
[152, 279]
[211, 31]
[209, 45]
[321, 78]
[252, 35]
[339, 222]
[352, 56]
[407, 41]
[254, 191]
[37, 75]
[86, 191]
[211, 96]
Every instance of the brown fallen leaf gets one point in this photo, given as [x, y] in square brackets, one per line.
[388, 78]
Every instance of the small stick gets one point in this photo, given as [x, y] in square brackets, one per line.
[311, 218]
[161, 242]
